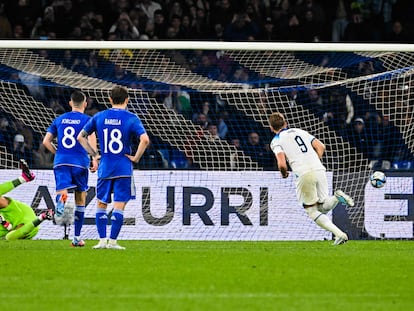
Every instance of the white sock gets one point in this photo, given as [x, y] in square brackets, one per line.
[329, 204]
[323, 221]
[112, 241]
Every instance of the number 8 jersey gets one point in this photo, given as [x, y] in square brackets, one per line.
[66, 129]
[297, 146]
[115, 129]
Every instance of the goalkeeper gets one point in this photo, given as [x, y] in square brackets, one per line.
[18, 220]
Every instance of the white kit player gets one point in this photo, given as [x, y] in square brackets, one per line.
[303, 153]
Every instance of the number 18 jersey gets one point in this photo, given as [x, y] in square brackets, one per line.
[66, 129]
[115, 129]
[297, 146]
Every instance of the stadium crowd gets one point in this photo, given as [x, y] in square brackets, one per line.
[248, 20]
[230, 20]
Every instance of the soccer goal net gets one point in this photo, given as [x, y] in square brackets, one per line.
[209, 172]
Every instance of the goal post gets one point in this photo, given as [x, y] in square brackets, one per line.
[356, 98]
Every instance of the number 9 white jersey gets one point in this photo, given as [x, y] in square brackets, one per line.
[297, 146]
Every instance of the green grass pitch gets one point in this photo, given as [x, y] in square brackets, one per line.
[189, 275]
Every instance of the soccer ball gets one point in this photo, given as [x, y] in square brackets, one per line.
[378, 179]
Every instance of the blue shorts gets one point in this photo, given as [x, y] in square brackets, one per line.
[123, 189]
[71, 177]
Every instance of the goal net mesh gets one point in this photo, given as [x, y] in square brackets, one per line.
[358, 104]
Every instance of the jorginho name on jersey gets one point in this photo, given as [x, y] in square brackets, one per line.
[297, 146]
[115, 129]
[66, 128]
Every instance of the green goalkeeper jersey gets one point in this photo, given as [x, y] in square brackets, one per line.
[18, 213]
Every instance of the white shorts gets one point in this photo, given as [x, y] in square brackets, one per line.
[312, 187]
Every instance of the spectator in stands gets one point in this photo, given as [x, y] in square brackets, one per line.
[42, 157]
[175, 23]
[236, 161]
[23, 13]
[316, 102]
[293, 30]
[208, 111]
[398, 34]
[178, 100]
[124, 29]
[359, 138]
[21, 150]
[6, 134]
[186, 31]
[67, 59]
[149, 8]
[340, 110]
[92, 107]
[268, 33]
[223, 12]
[5, 26]
[312, 30]
[340, 15]
[56, 106]
[218, 33]
[152, 159]
[206, 67]
[257, 151]
[18, 32]
[202, 120]
[175, 10]
[212, 132]
[201, 25]
[240, 28]
[66, 16]
[159, 22]
[358, 29]
[222, 127]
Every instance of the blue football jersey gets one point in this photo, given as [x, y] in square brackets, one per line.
[66, 129]
[115, 129]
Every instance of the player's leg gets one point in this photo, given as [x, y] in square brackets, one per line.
[307, 191]
[103, 194]
[80, 177]
[26, 176]
[324, 222]
[80, 198]
[331, 202]
[124, 190]
[63, 181]
[326, 202]
[117, 220]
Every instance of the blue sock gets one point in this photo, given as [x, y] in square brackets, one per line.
[58, 196]
[79, 216]
[117, 220]
[101, 220]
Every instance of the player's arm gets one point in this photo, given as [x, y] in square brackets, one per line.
[83, 140]
[319, 147]
[282, 165]
[48, 142]
[143, 143]
[93, 143]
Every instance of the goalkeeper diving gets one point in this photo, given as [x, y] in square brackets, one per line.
[18, 220]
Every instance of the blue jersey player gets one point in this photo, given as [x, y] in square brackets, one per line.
[116, 128]
[71, 162]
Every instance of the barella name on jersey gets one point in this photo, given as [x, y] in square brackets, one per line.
[70, 121]
[113, 122]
